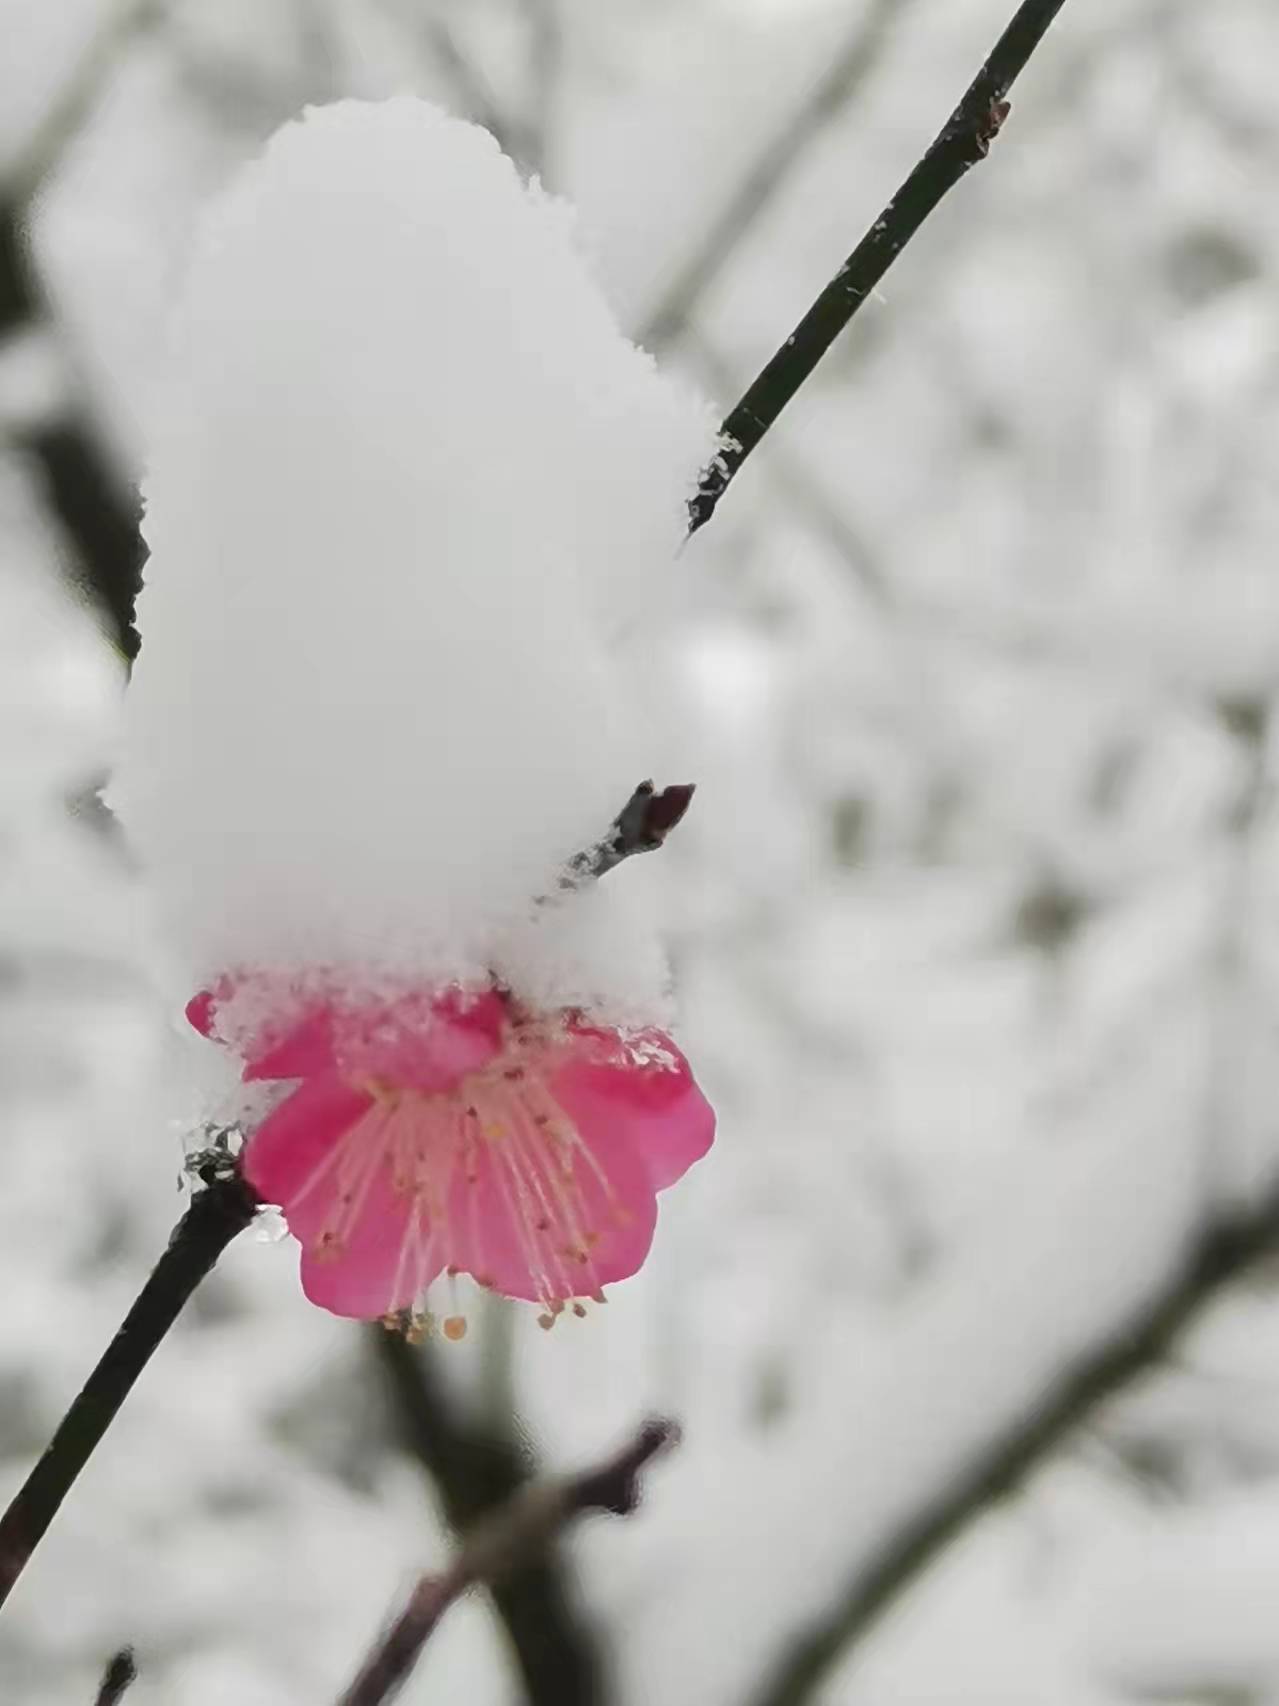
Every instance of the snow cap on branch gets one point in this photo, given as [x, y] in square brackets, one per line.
[411, 498]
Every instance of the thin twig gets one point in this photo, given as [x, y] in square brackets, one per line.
[523, 1527]
[120, 1672]
[846, 74]
[1223, 1255]
[641, 826]
[217, 1214]
[963, 141]
[814, 507]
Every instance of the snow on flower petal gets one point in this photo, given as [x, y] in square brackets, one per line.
[643, 1090]
[412, 505]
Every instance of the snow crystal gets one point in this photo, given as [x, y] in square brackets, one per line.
[413, 504]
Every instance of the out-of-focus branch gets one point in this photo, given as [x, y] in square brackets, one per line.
[121, 1671]
[476, 1469]
[428, 22]
[97, 513]
[1222, 1256]
[545, 56]
[964, 140]
[846, 75]
[522, 1528]
[63, 118]
[218, 1213]
[94, 507]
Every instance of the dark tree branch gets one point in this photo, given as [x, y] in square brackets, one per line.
[522, 1528]
[218, 1212]
[641, 826]
[1223, 1255]
[963, 141]
[97, 514]
[121, 1671]
[96, 510]
[476, 1469]
[64, 118]
[846, 74]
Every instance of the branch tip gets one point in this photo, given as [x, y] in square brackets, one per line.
[121, 1671]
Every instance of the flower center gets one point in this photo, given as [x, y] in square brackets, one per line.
[495, 1178]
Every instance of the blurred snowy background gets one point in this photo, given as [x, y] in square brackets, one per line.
[976, 917]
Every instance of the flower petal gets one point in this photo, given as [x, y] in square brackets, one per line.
[640, 1092]
[200, 1011]
[323, 1155]
[384, 1263]
[549, 1220]
[305, 1050]
[300, 1137]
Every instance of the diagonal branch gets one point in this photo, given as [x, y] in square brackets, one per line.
[1223, 1255]
[218, 1213]
[963, 141]
[476, 1468]
[533, 1517]
[848, 72]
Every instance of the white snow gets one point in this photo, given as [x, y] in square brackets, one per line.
[413, 503]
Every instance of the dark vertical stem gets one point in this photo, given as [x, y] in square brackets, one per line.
[962, 142]
[217, 1214]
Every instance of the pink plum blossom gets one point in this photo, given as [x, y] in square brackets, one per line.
[455, 1131]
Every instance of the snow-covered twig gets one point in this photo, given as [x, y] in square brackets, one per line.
[520, 1529]
[964, 140]
[218, 1213]
[121, 1671]
[641, 826]
[1227, 1250]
